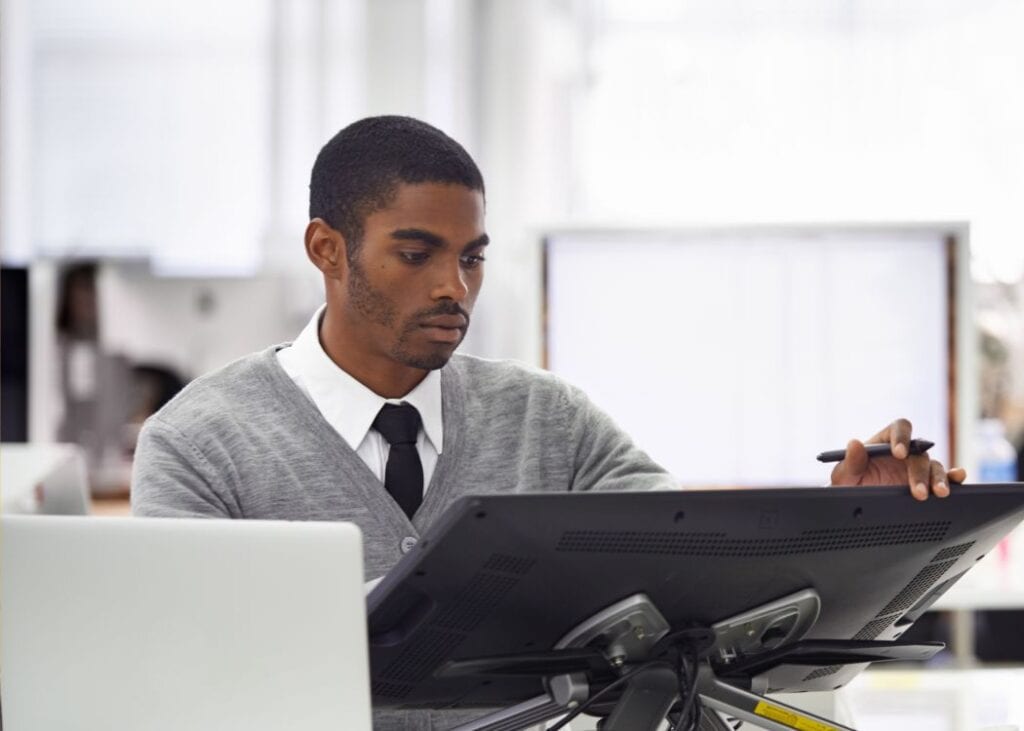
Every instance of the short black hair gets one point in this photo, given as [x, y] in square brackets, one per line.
[359, 170]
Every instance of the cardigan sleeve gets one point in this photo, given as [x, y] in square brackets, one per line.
[603, 456]
[171, 477]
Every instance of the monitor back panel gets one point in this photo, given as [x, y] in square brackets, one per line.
[508, 574]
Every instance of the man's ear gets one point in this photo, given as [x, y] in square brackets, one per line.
[325, 247]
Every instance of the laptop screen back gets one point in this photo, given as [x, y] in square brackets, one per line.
[169, 624]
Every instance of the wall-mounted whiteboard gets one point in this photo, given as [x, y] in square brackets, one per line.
[734, 356]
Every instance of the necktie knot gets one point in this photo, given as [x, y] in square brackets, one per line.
[398, 424]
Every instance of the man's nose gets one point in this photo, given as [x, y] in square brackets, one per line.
[451, 283]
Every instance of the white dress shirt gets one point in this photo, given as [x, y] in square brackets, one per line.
[350, 407]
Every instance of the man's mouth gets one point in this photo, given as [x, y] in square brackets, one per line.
[450, 335]
[444, 327]
[446, 322]
[447, 329]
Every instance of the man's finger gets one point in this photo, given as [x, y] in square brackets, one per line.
[852, 468]
[895, 434]
[938, 474]
[919, 475]
[899, 438]
[957, 474]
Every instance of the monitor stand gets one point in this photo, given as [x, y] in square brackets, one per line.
[629, 647]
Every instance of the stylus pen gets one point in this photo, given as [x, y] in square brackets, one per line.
[917, 446]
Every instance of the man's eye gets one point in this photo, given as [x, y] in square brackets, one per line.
[414, 257]
[472, 261]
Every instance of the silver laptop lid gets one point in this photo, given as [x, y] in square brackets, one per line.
[156, 624]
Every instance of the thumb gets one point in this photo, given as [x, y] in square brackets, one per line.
[852, 469]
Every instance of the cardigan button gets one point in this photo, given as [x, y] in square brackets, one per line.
[408, 543]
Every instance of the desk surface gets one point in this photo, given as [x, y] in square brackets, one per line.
[936, 700]
[110, 507]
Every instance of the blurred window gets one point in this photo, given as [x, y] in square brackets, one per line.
[807, 110]
[150, 130]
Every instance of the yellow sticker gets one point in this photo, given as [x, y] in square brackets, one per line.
[791, 719]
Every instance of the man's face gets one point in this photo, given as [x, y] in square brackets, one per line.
[415, 276]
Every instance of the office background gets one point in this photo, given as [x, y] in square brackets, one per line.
[162, 151]
[173, 140]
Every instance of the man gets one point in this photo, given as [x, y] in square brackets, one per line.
[369, 416]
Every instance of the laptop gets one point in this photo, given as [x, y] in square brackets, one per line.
[148, 624]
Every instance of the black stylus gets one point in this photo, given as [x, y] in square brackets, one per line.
[917, 446]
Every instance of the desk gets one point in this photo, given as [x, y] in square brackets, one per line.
[937, 700]
[110, 507]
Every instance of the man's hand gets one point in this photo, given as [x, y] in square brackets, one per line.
[924, 474]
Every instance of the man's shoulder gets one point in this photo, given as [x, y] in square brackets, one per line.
[239, 387]
[499, 374]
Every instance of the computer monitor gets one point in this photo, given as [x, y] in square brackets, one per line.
[14, 372]
[120, 624]
[501, 575]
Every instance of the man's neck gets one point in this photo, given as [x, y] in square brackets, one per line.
[381, 374]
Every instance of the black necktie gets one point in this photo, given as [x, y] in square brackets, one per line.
[403, 476]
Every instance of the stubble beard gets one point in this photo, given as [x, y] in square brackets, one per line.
[376, 307]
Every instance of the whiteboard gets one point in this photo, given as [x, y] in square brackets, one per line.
[733, 357]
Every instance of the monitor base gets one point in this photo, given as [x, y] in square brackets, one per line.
[682, 675]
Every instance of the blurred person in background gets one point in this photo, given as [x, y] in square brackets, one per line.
[94, 385]
[105, 398]
[78, 346]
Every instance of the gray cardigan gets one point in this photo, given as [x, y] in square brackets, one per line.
[246, 442]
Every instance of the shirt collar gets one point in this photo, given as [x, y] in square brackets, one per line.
[348, 405]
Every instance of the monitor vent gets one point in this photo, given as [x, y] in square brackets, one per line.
[913, 591]
[953, 552]
[875, 627]
[383, 689]
[823, 672]
[439, 640]
[594, 541]
[508, 564]
[429, 649]
[475, 603]
[718, 545]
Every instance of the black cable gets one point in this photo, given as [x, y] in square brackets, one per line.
[690, 712]
[604, 691]
[684, 696]
[679, 723]
[689, 697]
[697, 705]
